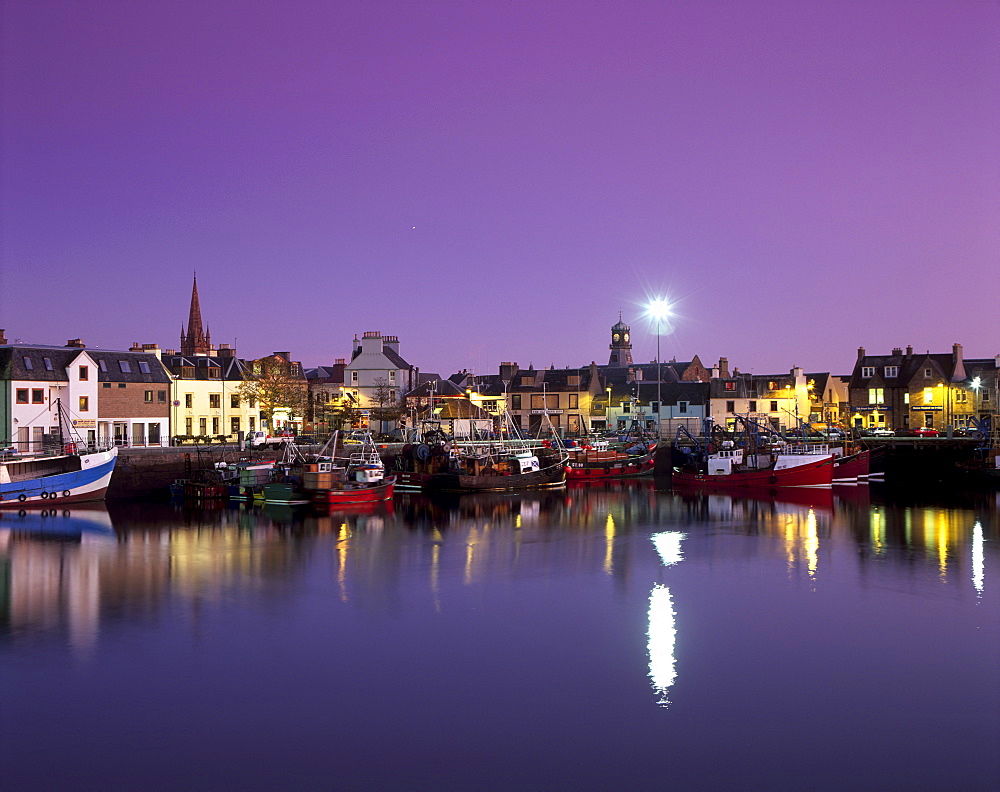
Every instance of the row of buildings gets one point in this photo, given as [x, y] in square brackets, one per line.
[148, 396]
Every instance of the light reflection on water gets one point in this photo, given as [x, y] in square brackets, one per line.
[614, 607]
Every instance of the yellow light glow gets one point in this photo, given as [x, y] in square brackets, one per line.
[928, 395]
[609, 543]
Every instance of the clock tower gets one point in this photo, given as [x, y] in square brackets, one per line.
[621, 344]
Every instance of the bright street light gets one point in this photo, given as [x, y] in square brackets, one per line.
[658, 309]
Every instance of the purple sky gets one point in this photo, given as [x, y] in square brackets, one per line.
[495, 181]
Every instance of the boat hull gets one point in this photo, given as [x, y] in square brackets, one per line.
[74, 478]
[356, 493]
[457, 482]
[610, 468]
[853, 469]
[810, 474]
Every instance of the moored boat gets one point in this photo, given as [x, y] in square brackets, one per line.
[39, 481]
[597, 460]
[735, 468]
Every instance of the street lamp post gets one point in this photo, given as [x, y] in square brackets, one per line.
[658, 309]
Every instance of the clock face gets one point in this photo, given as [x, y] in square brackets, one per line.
[626, 338]
[615, 337]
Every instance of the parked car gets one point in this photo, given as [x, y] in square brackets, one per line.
[880, 431]
[926, 431]
[968, 431]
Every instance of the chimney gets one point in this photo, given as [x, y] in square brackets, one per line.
[507, 371]
[714, 374]
[723, 367]
[3, 337]
[909, 351]
[225, 351]
[861, 352]
[136, 347]
[153, 349]
[897, 351]
[76, 343]
[957, 363]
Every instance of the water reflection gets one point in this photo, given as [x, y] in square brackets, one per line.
[662, 631]
[72, 569]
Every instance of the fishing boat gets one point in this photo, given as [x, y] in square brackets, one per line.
[69, 472]
[492, 467]
[738, 468]
[327, 480]
[851, 469]
[596, 459]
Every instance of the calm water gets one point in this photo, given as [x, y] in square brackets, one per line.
[610, 639]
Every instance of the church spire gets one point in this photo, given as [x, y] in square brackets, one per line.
[195, 342]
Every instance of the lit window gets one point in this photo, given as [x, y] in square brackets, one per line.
[875, 395]
[730, 386]
[148, 396]
[928, 395]
[906, 398]
[84, 403]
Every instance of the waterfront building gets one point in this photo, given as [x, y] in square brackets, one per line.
[377, 377]
[781, 401]
[905, 390]
[205, 400]
[330, 405]
[107, 395]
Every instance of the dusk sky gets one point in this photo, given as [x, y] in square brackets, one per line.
[495, 181]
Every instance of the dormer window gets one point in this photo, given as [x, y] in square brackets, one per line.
[891, 371]
[730, 385]
[867, 372]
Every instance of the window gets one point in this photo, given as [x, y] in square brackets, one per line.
[626, 407]
[730, 385]
[189, 400]
[234, 424]
[876, 395]
[928, 395]
[961, 396]
[147, 396]
[906, 398]
[188, 426]
[121, 384]
[37, 396]
[105, 384]
[103, 365]
[215, 426]
[214, 373]
[251, 423]
[84, 403]
[515, 401]
[203, 426]
[891, 371]
[234, 401]
[774, 406]
[354, 378]
[161, 397]
[682, 406]
[154, 434]
[125, 366]
[214, 401]
[143, 366]
[753, 405]
[574, 401]
[927, 373]
[28, 364]
[867, 372]
[22, 396]
[392, 377]
[730, 406]
[48, 363]
[187, 372]
[986, 395]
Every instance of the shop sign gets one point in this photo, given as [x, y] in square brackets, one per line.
[543, 412]
[926, 409]
[84, 423]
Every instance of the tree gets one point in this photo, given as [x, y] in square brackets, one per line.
[386, 399]
[270, 383]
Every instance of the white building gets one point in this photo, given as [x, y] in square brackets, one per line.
[377, 371]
